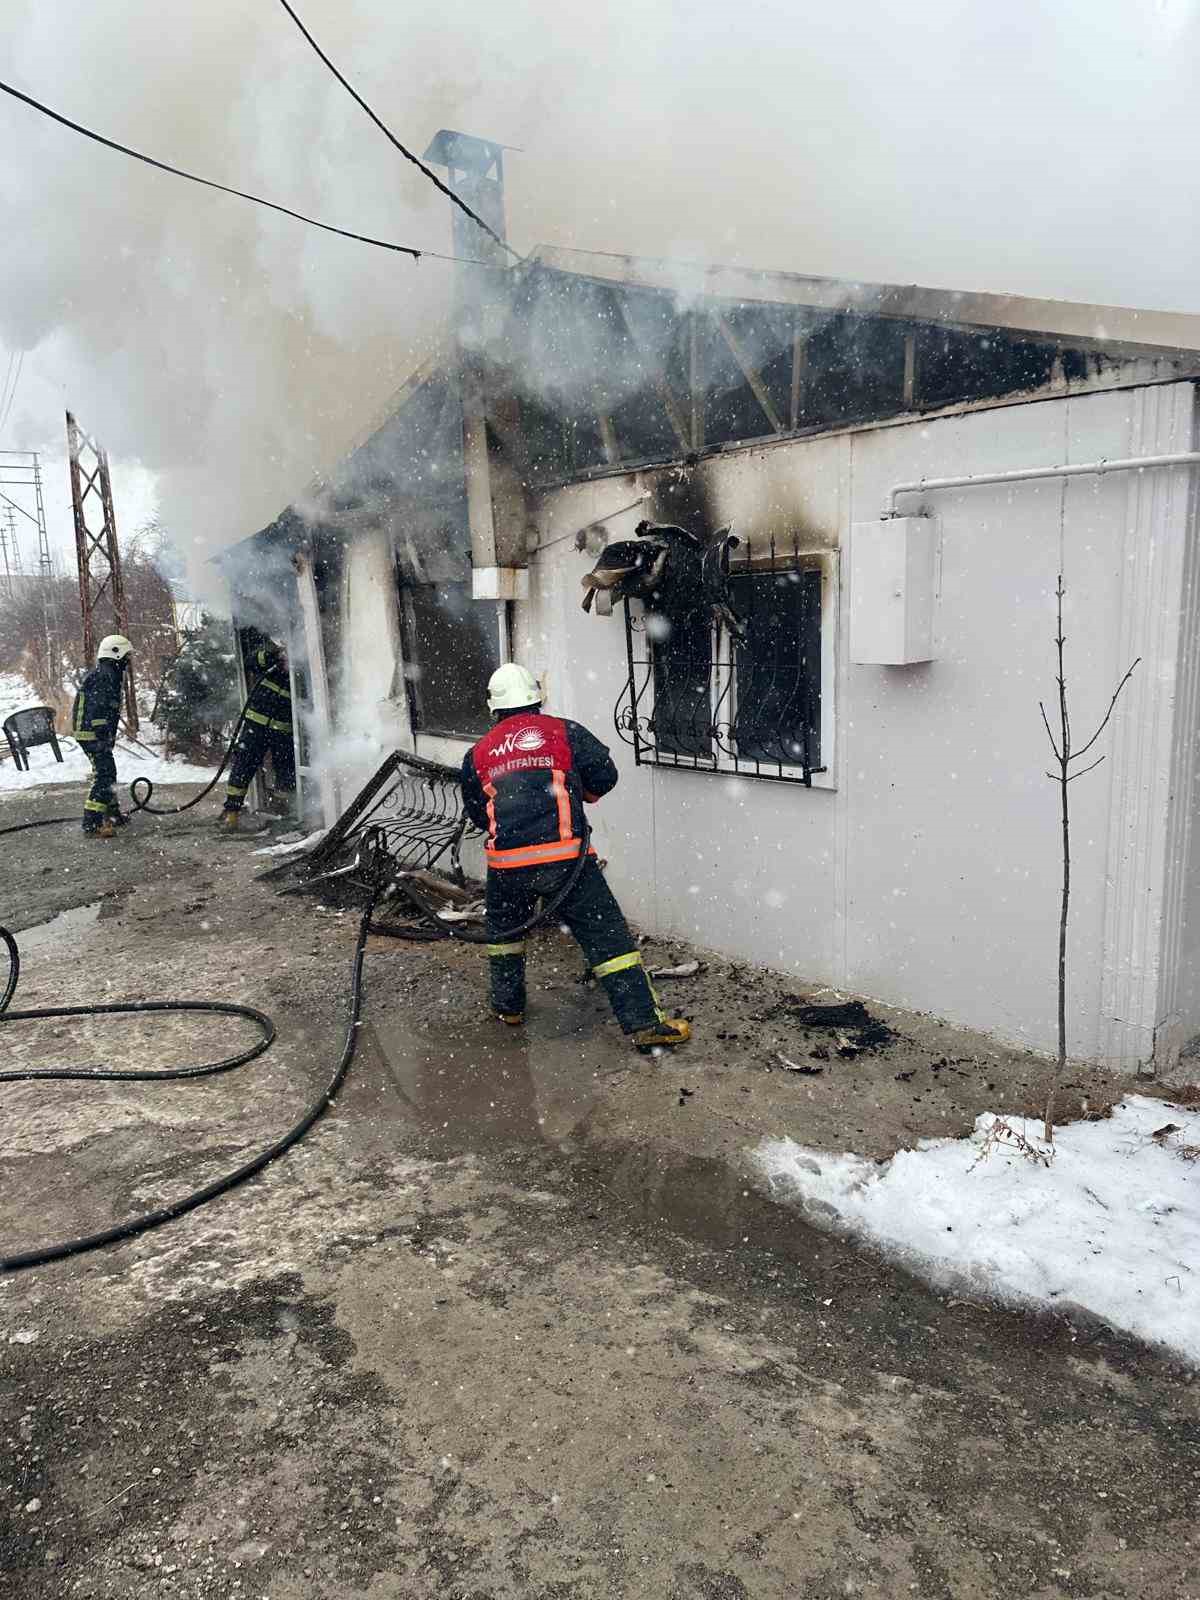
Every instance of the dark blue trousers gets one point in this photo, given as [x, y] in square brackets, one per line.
[593, 916]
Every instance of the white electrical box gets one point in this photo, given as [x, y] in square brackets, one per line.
[500, 583]
[893, 582]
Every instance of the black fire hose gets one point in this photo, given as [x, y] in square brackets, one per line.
[209, 1191]
[141, 800]
[43, 822]
[373, 858]
[374, 851]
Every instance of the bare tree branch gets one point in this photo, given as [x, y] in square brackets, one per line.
[1064, 777]
[1083, 771]
[1111, 705]
[1049, 735]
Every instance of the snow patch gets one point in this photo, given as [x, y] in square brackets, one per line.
[1111, 1225]
[16, 695]
[310, 841]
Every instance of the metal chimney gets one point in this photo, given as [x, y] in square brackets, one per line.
[496, 513]
[475, 172]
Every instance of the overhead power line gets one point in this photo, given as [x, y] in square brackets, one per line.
[12, 361]
[388, 134]
[224, 188]
[12, 393]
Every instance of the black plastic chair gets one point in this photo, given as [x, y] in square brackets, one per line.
[26, 729]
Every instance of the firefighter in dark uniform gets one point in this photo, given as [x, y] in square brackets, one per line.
[267, 728]
[94, 719]
[525, 783]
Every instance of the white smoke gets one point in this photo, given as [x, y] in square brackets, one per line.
[1030, 148]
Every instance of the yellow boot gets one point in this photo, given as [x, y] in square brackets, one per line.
[666, 1033]
[231, 821]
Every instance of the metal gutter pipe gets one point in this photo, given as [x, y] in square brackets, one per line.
[1181, 458]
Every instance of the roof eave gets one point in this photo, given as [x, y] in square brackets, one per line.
[1113, 328]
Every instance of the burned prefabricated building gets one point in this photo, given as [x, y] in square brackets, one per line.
[854, 794]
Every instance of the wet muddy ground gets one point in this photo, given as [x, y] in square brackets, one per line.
[511, 1322]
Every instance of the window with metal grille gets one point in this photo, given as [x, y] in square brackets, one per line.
[700, 698]
[680, 720]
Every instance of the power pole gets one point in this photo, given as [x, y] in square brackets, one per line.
[21, 473]
[17, 477]
[45, 559]
[8, 537]
[45, 569]
[97, 553]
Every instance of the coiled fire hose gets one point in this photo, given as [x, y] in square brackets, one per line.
[141, 790]
[374, 862]
[130, 1229]
[373, 857]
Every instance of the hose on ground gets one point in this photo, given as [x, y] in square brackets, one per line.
[42, 822]
[373, 853]
[141, 790]
[130, 1229]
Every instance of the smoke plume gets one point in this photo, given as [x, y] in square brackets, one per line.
[1032, 148]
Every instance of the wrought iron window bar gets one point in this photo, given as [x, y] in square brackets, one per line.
[412, 812]
[699, 699]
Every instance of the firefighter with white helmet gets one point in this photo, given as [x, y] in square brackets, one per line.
[94, 719]
[526, 783]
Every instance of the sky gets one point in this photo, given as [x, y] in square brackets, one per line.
[41, 406]
[226, 355]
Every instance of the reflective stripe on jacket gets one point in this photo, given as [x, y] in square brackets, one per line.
[270, 702]
[97, 708]
[525, 783]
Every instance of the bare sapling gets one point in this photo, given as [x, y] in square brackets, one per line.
[1065, 754]
[1001, 1135]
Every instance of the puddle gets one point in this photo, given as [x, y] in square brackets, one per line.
[482, 1090]
[701, 1198]
[481, 1087]
[62, 929]
[484, 1086]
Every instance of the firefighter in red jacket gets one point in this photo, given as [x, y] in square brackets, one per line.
[525, 782]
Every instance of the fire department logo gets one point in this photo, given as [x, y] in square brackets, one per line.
[525, 743]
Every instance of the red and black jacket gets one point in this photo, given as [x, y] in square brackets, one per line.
[525, 783]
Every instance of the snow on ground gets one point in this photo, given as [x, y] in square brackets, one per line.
[310, 841]
[1111, 1225]
[16, 695]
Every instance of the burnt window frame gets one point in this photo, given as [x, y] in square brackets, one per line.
[411, 652]
[638, 714]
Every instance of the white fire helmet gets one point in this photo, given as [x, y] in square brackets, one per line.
[116, 647]
[512, 686]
